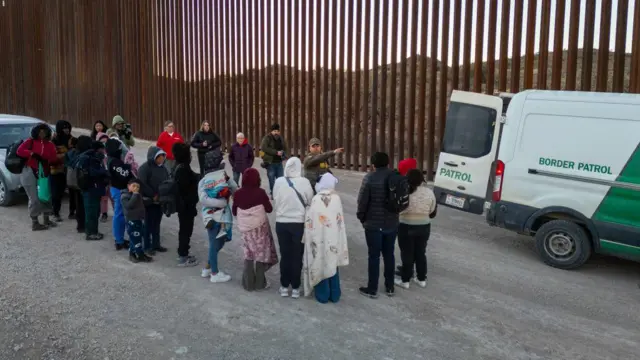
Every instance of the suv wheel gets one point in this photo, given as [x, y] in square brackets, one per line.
[6, 196]
[563, 244]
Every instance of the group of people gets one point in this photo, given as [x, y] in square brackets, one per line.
[310, 223]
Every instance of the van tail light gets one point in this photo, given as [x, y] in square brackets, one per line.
[497, 184]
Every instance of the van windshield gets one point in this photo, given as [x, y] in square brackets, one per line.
[469, 130]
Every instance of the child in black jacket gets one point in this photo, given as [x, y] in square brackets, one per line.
[120, 174]
[187, 184]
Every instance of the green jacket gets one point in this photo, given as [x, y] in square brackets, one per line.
[269, 150]
[316, 166]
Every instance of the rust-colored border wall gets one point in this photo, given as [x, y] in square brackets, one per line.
[366, 75]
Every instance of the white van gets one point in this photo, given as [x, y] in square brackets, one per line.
[558, 165]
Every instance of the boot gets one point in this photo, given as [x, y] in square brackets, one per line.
[36, 226]
[47, 221]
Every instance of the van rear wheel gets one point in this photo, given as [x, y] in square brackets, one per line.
[563, 244]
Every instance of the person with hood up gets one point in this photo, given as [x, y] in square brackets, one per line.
[407, 164]
[325, 242]
[39, 153]
[214, 174]
[58, 178]
[127, 156]
[83, 144]
[241, 156]
[205, 140]
[120, 174]
[272, 150]
[316, 163]
[98, 127]
[151, 174]
[187, 200]
[166, 140]
[104, 201]
[92, 163]
[124, 130]
[292, 195]
[251, 205]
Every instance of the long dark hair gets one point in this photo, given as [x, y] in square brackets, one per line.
[415, 179]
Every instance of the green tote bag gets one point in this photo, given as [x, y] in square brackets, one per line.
[44, 192]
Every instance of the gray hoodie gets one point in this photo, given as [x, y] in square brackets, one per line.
[132, 206]
[152, 175]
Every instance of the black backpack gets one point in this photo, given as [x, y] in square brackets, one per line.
[12, 161]
[81, 169]
[168, 194]
[397, 192]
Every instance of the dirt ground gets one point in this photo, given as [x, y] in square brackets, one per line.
[488, 297]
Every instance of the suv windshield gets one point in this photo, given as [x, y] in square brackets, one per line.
[10, 133]
[469, 130]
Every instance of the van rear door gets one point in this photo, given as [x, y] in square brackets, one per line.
[468, 151]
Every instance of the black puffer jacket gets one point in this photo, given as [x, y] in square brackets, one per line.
[372, 201]
[212, 139]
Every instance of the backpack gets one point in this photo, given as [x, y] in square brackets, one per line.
[397, 192]
[168, 194]
[82, 179]
[12, 161]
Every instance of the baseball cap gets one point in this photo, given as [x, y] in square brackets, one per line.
[314, 141]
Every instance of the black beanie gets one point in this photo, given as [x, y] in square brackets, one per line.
[275, 126]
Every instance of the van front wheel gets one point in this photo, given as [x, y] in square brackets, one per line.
[563, 244]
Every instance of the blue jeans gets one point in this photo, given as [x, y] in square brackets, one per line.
[274, 171]
[236, 177]
[328, 289]
[381, 241]
[118, 223]
[135, 228]
[153, 217]
[215, 245]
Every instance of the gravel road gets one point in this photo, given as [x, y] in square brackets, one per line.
[489, 297]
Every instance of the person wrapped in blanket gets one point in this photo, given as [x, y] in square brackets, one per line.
[214, 192]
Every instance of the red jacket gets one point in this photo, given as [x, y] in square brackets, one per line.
[44, 148]
[166, 141]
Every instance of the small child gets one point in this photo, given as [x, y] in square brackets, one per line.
[134, 213]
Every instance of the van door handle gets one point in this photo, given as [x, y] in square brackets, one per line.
[450, 163]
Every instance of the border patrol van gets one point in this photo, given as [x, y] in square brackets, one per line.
[561, 166]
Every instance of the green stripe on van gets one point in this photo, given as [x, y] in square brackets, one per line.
[617, 248]
[621, 206]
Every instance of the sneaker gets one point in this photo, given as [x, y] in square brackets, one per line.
[364, 291]
[144, 257]
[57, 218]
[104, 217]
[400, 283]
[51, 224]
[422, 284]
[160, 249]
[205, 273]
[134, 258]
[36, 226]
[295, 293]
[220, 277]
[72, 216]
[284, 292]
[93, 237]
[121, 247]
[187, 261]
[101, 235]
[390, 292]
